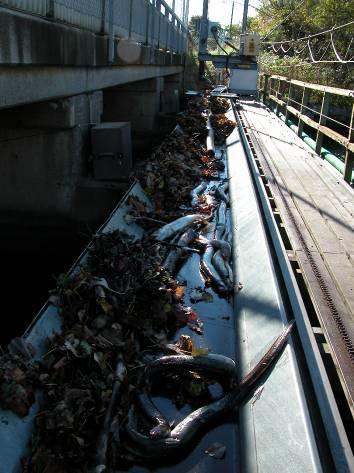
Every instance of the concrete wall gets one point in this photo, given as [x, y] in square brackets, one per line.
[44, 162]
[138, 103]
[39, 170]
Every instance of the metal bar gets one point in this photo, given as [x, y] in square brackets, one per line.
[321, 88]
[158, 8]
[277, 95]
[103, 16]
[147, 29]
[50, 9]
[322, 121]
[130, 17]
[153, 24]
[110, 32]
[290, 94]
[304, 102]
[349, 154]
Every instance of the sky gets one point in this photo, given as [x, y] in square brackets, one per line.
[220, 10]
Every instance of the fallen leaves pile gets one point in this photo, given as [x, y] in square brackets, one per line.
[222, 126]
[120, 304]
[132, 309]
[219, 105]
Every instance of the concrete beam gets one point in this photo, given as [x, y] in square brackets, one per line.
[27, 84]
[63, 113]
[138, 103]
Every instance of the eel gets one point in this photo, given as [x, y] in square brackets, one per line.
[182, 435]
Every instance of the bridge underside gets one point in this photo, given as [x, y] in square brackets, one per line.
[42, 60]
[57, 81]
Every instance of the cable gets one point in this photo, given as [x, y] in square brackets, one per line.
[217, 41]
[334, 28]
[279, 24]
[231, 45]
[277, 46]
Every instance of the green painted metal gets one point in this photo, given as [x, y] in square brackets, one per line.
[325, 153]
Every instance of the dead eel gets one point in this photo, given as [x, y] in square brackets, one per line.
[183, 434]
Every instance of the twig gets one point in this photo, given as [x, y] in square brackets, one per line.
[102, 442]
[175, 245]
[149, 219]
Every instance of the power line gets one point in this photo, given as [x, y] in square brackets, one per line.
[278, 46]
[282, 21]
[334, 28]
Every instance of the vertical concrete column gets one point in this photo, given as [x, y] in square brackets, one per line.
[171, 95]
[138, 103]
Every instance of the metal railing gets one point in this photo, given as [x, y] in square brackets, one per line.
[292, 99]
[151, 22]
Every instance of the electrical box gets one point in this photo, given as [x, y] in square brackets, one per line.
[249, 44]
[111, 150]
[244, 79]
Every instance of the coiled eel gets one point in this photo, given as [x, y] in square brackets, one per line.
[182, 435]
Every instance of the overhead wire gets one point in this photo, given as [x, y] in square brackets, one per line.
[334, 28]
[277, 46]
[282, 21]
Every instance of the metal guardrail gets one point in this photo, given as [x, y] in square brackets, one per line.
[282, 91]
[151, 22]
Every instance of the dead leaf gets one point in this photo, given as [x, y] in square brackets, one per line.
[201, 351]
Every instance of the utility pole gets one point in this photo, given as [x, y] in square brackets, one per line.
[203, 39]
[232, 16]
[244, 19]
[187, 11]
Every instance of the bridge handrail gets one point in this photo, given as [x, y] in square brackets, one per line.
[150, 22]
[281, 90]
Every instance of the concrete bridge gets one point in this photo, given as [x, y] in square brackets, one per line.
[64, 66]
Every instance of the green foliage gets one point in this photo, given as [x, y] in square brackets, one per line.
[290, 19]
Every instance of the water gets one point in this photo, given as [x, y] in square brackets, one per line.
[31, 259]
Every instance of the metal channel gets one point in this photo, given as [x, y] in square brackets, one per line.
[276, 432]
[337, 438]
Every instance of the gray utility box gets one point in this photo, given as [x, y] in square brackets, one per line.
[112, 150]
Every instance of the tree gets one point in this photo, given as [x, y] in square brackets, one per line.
[278, 20]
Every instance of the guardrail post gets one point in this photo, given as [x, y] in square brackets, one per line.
[304, 103]
[277, 96]
[50, 9]
[158, 8]
[322, 121]
[288, 102]
[265, 87]
[168, 36]
[110, 32]
[130, 17]
[148, 12]
[349, 155]
[103, 16]
[153, 24]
